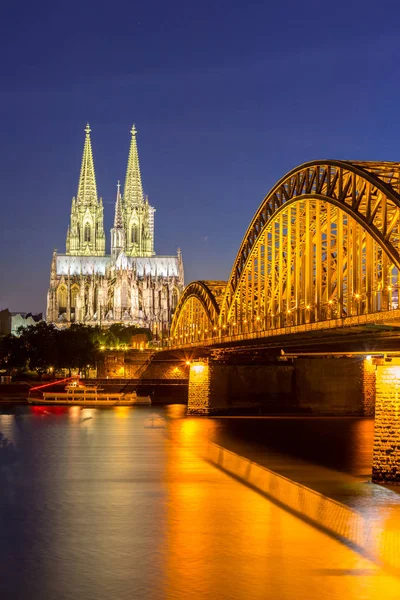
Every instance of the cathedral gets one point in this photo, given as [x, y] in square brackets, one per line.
[132, 285]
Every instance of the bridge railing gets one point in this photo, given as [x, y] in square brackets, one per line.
[354, 321]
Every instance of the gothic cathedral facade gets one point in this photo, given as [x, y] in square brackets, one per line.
[132, 285]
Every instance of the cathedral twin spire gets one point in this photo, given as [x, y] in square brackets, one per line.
[133, 190]
[87, 190]
[134, 218]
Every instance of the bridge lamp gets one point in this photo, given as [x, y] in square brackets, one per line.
[206, 331]
[368, 358]
[215, 329]
[258, 318]
[330, 302]
[308, 307]
[357, 296]
[188, 363]
[289, 311]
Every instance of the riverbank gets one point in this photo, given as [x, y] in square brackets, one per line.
[14, 393]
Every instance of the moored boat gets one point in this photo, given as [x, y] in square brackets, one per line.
[77, 393]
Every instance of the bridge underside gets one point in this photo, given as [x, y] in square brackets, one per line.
[317, 271]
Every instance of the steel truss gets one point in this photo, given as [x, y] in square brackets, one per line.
[324, 244]
[196, 315]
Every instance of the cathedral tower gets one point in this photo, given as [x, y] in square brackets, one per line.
[85, 236]
[131, 285]
[138, 214]
[118, 231]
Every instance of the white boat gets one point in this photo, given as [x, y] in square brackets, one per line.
[79, 394]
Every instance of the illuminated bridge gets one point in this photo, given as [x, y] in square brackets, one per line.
[322, 251]
[321, 256]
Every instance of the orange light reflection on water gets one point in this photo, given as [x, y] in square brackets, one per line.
[122, 412]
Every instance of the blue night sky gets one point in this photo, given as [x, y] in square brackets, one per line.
[226, 96]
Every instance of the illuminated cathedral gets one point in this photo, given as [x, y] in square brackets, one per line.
[132, 285]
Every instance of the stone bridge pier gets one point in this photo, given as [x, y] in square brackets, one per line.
[218, 388]
[386, 453]
[323, 386]
[320, 386]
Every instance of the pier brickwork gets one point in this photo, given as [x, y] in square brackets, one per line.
[386, 452]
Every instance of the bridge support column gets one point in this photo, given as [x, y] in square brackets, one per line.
[205, 390]
[386, 453]
[369, 387]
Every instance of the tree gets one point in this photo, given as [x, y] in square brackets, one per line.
[13, 355]
[40, 343]
[79, 347]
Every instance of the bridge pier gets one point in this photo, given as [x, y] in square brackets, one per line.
[386, 452]
[315, 385]
[207, 389]
[216, 387]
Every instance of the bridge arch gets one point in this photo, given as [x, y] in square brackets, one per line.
[325, 243]
[197, 313]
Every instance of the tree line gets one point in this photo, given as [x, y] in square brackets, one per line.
[45, 348]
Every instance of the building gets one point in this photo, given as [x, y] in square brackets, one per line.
[131, 285]
[10, 322]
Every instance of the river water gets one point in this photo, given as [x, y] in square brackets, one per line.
[116, 503]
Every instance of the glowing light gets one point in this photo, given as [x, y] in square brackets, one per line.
[330, 302]
[394, 371]
[198, 368]
[258, 318]
[188, 363]
[38, 387]
[122, 411]
[368, 357]
[357, 296]
[308, 306]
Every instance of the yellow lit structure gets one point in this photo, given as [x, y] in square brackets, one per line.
[131, 284]
[324, 245]
[199, 388]
[386, 452]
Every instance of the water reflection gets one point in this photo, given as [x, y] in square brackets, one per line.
[104, 506]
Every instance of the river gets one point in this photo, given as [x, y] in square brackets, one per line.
[116, 503]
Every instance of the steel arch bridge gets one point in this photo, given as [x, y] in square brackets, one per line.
[323, 248]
